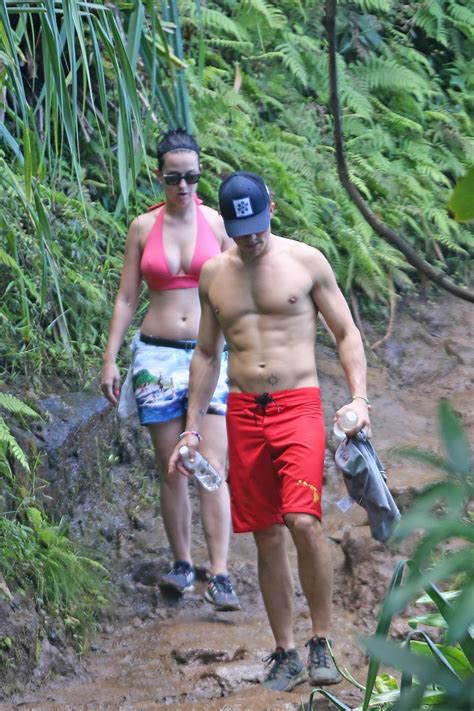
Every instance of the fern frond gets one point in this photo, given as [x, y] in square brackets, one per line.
[355, 96]
[398, 121]
[274, 18]
[430, 17]
[390, 75]
[11, 445]
[293, 60]
[236, 45]
[373, 5]
[461, 13]
[217, 21]
[16, 406]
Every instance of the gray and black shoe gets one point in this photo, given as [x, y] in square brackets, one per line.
[286, 672]
[180, 578]
[321, 667]
[221, 593]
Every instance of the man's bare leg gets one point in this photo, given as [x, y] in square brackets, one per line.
[316, 576]
[276, 583]
[314, 567]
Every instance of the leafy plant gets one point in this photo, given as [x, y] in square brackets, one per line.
[460, 204]
[251, 79]
[36, 556]
[39, 559]
[432, 674]
[9, 446]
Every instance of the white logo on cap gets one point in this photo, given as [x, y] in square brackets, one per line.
[243, 207]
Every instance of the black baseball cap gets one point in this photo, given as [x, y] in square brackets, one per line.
[244, 202]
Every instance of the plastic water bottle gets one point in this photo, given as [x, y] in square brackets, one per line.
[202, 470]
[347, 421]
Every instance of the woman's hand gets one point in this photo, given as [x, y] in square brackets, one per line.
[110, 382]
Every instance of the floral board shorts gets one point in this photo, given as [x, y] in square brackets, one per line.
[158, 379]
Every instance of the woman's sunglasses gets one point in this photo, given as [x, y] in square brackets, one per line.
[175, 178]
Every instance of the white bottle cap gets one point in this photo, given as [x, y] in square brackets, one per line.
[348, 420]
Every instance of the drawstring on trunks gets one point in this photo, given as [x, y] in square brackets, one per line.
[263, 400]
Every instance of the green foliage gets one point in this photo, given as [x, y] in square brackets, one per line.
[88, 88]
[432, 674]
[461, 202]
[404, 149]
[39, 559]
[36, 556]
[76, 118]
[9, 447]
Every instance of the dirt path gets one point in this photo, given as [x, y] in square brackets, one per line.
[181, 654]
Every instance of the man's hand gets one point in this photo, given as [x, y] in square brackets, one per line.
[110, 382]
[361, 409]
[176, 463]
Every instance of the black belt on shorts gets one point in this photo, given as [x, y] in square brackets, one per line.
[169, 343]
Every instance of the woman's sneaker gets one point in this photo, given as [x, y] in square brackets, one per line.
[287, 670]
[221, 593]
[180, 578]
[321, 667]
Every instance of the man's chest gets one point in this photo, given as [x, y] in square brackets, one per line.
[263, 291]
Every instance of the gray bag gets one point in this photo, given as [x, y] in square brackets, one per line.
[365, 481]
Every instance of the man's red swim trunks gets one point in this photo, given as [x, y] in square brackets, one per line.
[276, 456]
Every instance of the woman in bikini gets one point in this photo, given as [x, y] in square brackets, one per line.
[167, 247]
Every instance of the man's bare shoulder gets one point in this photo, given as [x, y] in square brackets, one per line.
[215, 264]
[305, 253]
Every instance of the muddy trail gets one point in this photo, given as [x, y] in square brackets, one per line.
[158, 653]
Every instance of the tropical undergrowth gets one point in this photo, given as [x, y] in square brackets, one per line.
[38, 560]
[88, 88]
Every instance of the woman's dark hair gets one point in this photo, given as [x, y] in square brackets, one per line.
[176, 140]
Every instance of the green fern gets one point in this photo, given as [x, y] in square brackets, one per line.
[8, 444]
[259, 8]
[15, 406]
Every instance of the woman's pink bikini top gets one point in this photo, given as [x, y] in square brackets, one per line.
[154, 267]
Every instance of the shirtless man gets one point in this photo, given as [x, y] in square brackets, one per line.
[263, 295]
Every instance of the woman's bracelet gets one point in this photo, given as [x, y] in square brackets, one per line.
[361, 397]
[193, 432]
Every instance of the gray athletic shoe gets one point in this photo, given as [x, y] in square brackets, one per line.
[287, 670]
[221, 594]
[321, 667]
[180, 578]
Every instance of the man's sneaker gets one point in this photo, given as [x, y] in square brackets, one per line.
[180, 578]
[221, 593]
[287, 670]
[321, 667]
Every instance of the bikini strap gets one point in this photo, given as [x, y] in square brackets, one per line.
[197, 200]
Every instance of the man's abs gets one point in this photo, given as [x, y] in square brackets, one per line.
[254, 371]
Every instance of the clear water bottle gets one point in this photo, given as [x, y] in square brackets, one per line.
[202, 470]
[347, 421]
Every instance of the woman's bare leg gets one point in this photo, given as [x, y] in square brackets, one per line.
[174, 496]
[215, 505]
